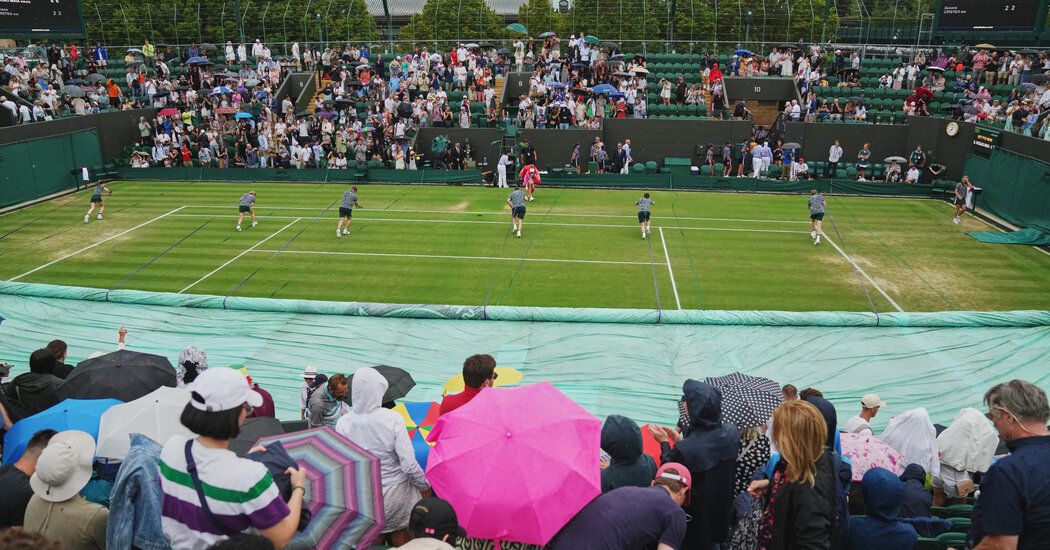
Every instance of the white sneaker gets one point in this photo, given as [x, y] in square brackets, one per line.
[346, 232]
[238, 228]
[86, 218]
[643, 236]
[338, 233]
[100, 216]
[813, 234]
[519, 234]
[255, 224]
[956, 219]
[817, 241]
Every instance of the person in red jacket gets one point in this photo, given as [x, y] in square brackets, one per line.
[267, 408]
[479, 372]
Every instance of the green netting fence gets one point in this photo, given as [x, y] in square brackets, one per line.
[39, 167]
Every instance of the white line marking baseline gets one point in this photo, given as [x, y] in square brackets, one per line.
[90, 246]
[450, 257]
[231, 260]
[484, 222]
[667, 256]
[503, 213]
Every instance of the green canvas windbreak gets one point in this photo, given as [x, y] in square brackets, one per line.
[633, 367]
[1030, 236]
[1016, 188]
[36, 168]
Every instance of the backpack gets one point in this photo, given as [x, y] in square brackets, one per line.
[9, 400]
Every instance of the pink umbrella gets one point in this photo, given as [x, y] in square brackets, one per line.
[867, 451]
[516, 463]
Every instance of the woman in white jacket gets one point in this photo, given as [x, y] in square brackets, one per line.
[382, 432]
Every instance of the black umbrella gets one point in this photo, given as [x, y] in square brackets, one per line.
[125, 375]
[747, 401]
[252, 431]
[73, 91]
[208, 47]
[162, 93]
[95, 78]
[399, 382]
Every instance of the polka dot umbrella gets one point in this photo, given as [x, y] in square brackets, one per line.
[747, 401]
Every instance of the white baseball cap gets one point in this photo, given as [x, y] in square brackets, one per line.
[310, 372]
[64, 466]
[222, 389]
[871, 400]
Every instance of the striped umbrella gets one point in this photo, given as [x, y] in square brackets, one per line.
[343, 490]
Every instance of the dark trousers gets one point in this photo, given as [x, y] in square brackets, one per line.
[831, 168]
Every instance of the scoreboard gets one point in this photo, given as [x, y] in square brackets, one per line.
[985, 140]
[41, 18]
[991, 15]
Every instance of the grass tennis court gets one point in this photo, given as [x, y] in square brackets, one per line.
[581, 248]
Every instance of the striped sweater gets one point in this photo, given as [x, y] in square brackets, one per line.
[240, 493]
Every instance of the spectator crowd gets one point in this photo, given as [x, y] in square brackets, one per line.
[776, 468]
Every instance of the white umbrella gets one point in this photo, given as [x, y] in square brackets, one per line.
[155, 415]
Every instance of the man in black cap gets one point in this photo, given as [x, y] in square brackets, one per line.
[528, 153]
[433, 526]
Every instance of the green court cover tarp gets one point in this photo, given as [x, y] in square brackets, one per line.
[634, 369]
[1030, 236]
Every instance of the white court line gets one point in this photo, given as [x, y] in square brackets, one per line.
[256, 245]
[863, 273]
[507, 213]
[90, 246]
[604, 225]
[442, 257]
[667, 256]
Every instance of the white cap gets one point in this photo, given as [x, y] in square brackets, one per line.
[64, 466]
[871, 400]
[222, 389]
[310, 372]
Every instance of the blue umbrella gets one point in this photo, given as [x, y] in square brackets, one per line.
[616, 94]
[605, 89]
[744, 53]
[198, 60]
[71, 414]
[243, 114]
[221, 90]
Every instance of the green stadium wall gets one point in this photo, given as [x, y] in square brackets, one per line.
[1015, 188]
[116, 130]
[39, 167]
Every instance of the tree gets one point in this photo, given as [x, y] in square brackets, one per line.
[453, 20]
[539, 16]
[628, 21]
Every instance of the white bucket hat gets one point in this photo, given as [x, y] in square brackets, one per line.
[64, 466]
[222, 389]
